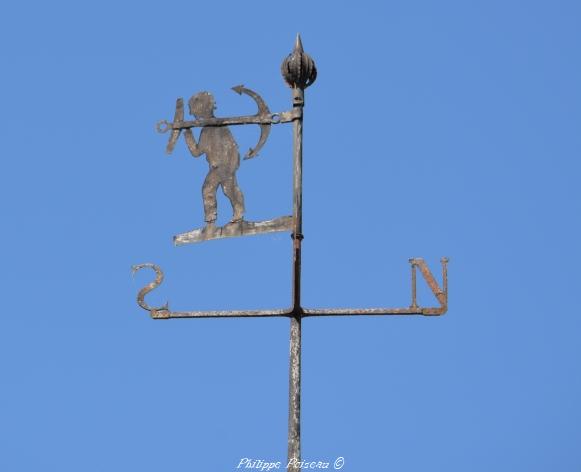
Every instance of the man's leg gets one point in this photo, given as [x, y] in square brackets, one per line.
[209, 195]
[234, 194]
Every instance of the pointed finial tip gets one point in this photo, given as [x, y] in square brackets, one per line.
[298, 43]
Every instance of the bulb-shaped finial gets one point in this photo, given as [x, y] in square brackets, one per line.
[298, 69]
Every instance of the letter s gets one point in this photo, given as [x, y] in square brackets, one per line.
[159, 312]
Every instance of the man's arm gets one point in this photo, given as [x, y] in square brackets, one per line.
[196, 150]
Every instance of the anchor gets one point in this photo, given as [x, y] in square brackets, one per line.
[264, 118]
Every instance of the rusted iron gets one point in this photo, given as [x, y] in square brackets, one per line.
[414, 291]
[164, 126]
[294, 393]
[299, 72]
[298, 69]
[159, 312]
[297, 311]
[218, 144]
[233, 229]
[262, 111]
[175, 133]
[216, 141]
[263, 118]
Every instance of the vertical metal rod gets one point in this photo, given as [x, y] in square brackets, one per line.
[294, 413]
[297, 236]
[445, 277]
[414, 296]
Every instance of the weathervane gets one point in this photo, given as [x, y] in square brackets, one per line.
[218, 144]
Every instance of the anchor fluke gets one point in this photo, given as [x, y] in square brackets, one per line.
[263, 111]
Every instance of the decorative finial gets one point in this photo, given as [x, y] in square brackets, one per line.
[298, 69]
[298, 43]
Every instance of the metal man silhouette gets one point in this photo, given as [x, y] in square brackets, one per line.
[221, 151]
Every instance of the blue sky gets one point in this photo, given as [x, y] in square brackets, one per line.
[434, 129]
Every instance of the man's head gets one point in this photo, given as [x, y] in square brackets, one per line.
[202, 105]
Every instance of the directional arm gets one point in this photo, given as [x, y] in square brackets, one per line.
[164, 312]
[440, 294]
[413, 309]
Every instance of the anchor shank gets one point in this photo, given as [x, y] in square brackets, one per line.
[261, 119]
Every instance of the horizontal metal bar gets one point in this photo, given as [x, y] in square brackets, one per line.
[268, 119]
[166, 314]
[231, 230]
[304, 312]
[373, 311]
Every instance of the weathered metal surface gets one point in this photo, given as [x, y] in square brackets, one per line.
[262, 111]
[238, 228]
[297, 235]
[294, 394]
[164, 126]
[294, 414]
[370, 311]
[162, 310]
[299, 71]
[297, 311]
[264, 118]
[175, 134]
[441, 295]
[231, 313]
[221, 151]
[414, 304]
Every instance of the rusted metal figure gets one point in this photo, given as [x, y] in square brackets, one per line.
[299, 71]
[221, 150]
[218, 144]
